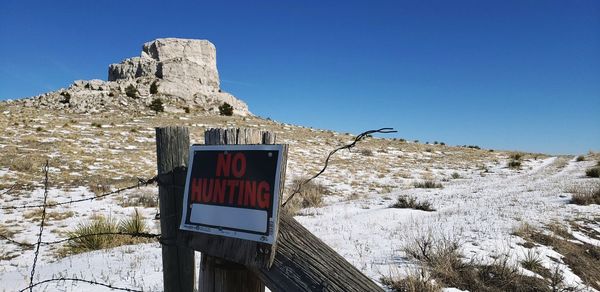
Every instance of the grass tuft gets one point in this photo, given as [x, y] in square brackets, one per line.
[586, 195]
[593, 172]
[582, 258]
[366, 152]
[408, 202]
[86, 240]
[428, 184]
[311, 195]
[444, 262]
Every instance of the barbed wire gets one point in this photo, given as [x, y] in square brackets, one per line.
[132, 234]
[358, 138]
[141, 182]
[30, 287]
[45, 205]
[37, 249]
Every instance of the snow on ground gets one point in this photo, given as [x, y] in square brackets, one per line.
[479, 210]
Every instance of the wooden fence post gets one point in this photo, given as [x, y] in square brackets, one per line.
[217, 274]
[172, 151]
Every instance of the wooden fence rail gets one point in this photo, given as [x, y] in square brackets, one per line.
[299, 261]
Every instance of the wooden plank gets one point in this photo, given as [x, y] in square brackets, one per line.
[172, 151]
[305, 263]
[224, 259]
[248, 253]
[227, 276]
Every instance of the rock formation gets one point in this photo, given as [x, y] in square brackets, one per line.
[182, 72]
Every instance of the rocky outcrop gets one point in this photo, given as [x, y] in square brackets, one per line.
[182, 72]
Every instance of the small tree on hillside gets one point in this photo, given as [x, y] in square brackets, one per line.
[131, 91]
[153, 88]
[157, 105]
[226, 109]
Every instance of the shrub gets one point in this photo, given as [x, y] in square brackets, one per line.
[67, 97]
[593, 172]
[408, 202]
[516, 156]
[154, 88]
[225, 109]
[366, 152]
[514, 164]
[97, 125]
[186, 109]
[428, 184]
[157, 105]
[586, 195]
[131, 91]
[455, 175]
[310, 195]
[580, 158]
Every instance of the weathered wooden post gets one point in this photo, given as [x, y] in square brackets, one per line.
[217, 273]
[172, 151]
[245, 244]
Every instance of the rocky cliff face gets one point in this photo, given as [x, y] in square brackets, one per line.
[182, 72]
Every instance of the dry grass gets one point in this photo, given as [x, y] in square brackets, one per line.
[585, 195]
[533, 262]
[582, 258]
[593, 172]
[36, 215]
[311, 195]
[6, 231]
[444, 262]
[139, 199]
[417, 281]
[87, 241]
[409, 202]
[428, 184]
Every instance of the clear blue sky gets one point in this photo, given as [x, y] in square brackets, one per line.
[521, 75]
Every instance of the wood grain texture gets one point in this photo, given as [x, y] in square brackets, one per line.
[224, 259]
[172, 151]
[248, 253]
[305, 263]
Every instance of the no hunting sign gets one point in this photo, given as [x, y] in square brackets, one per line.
[233, 190]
